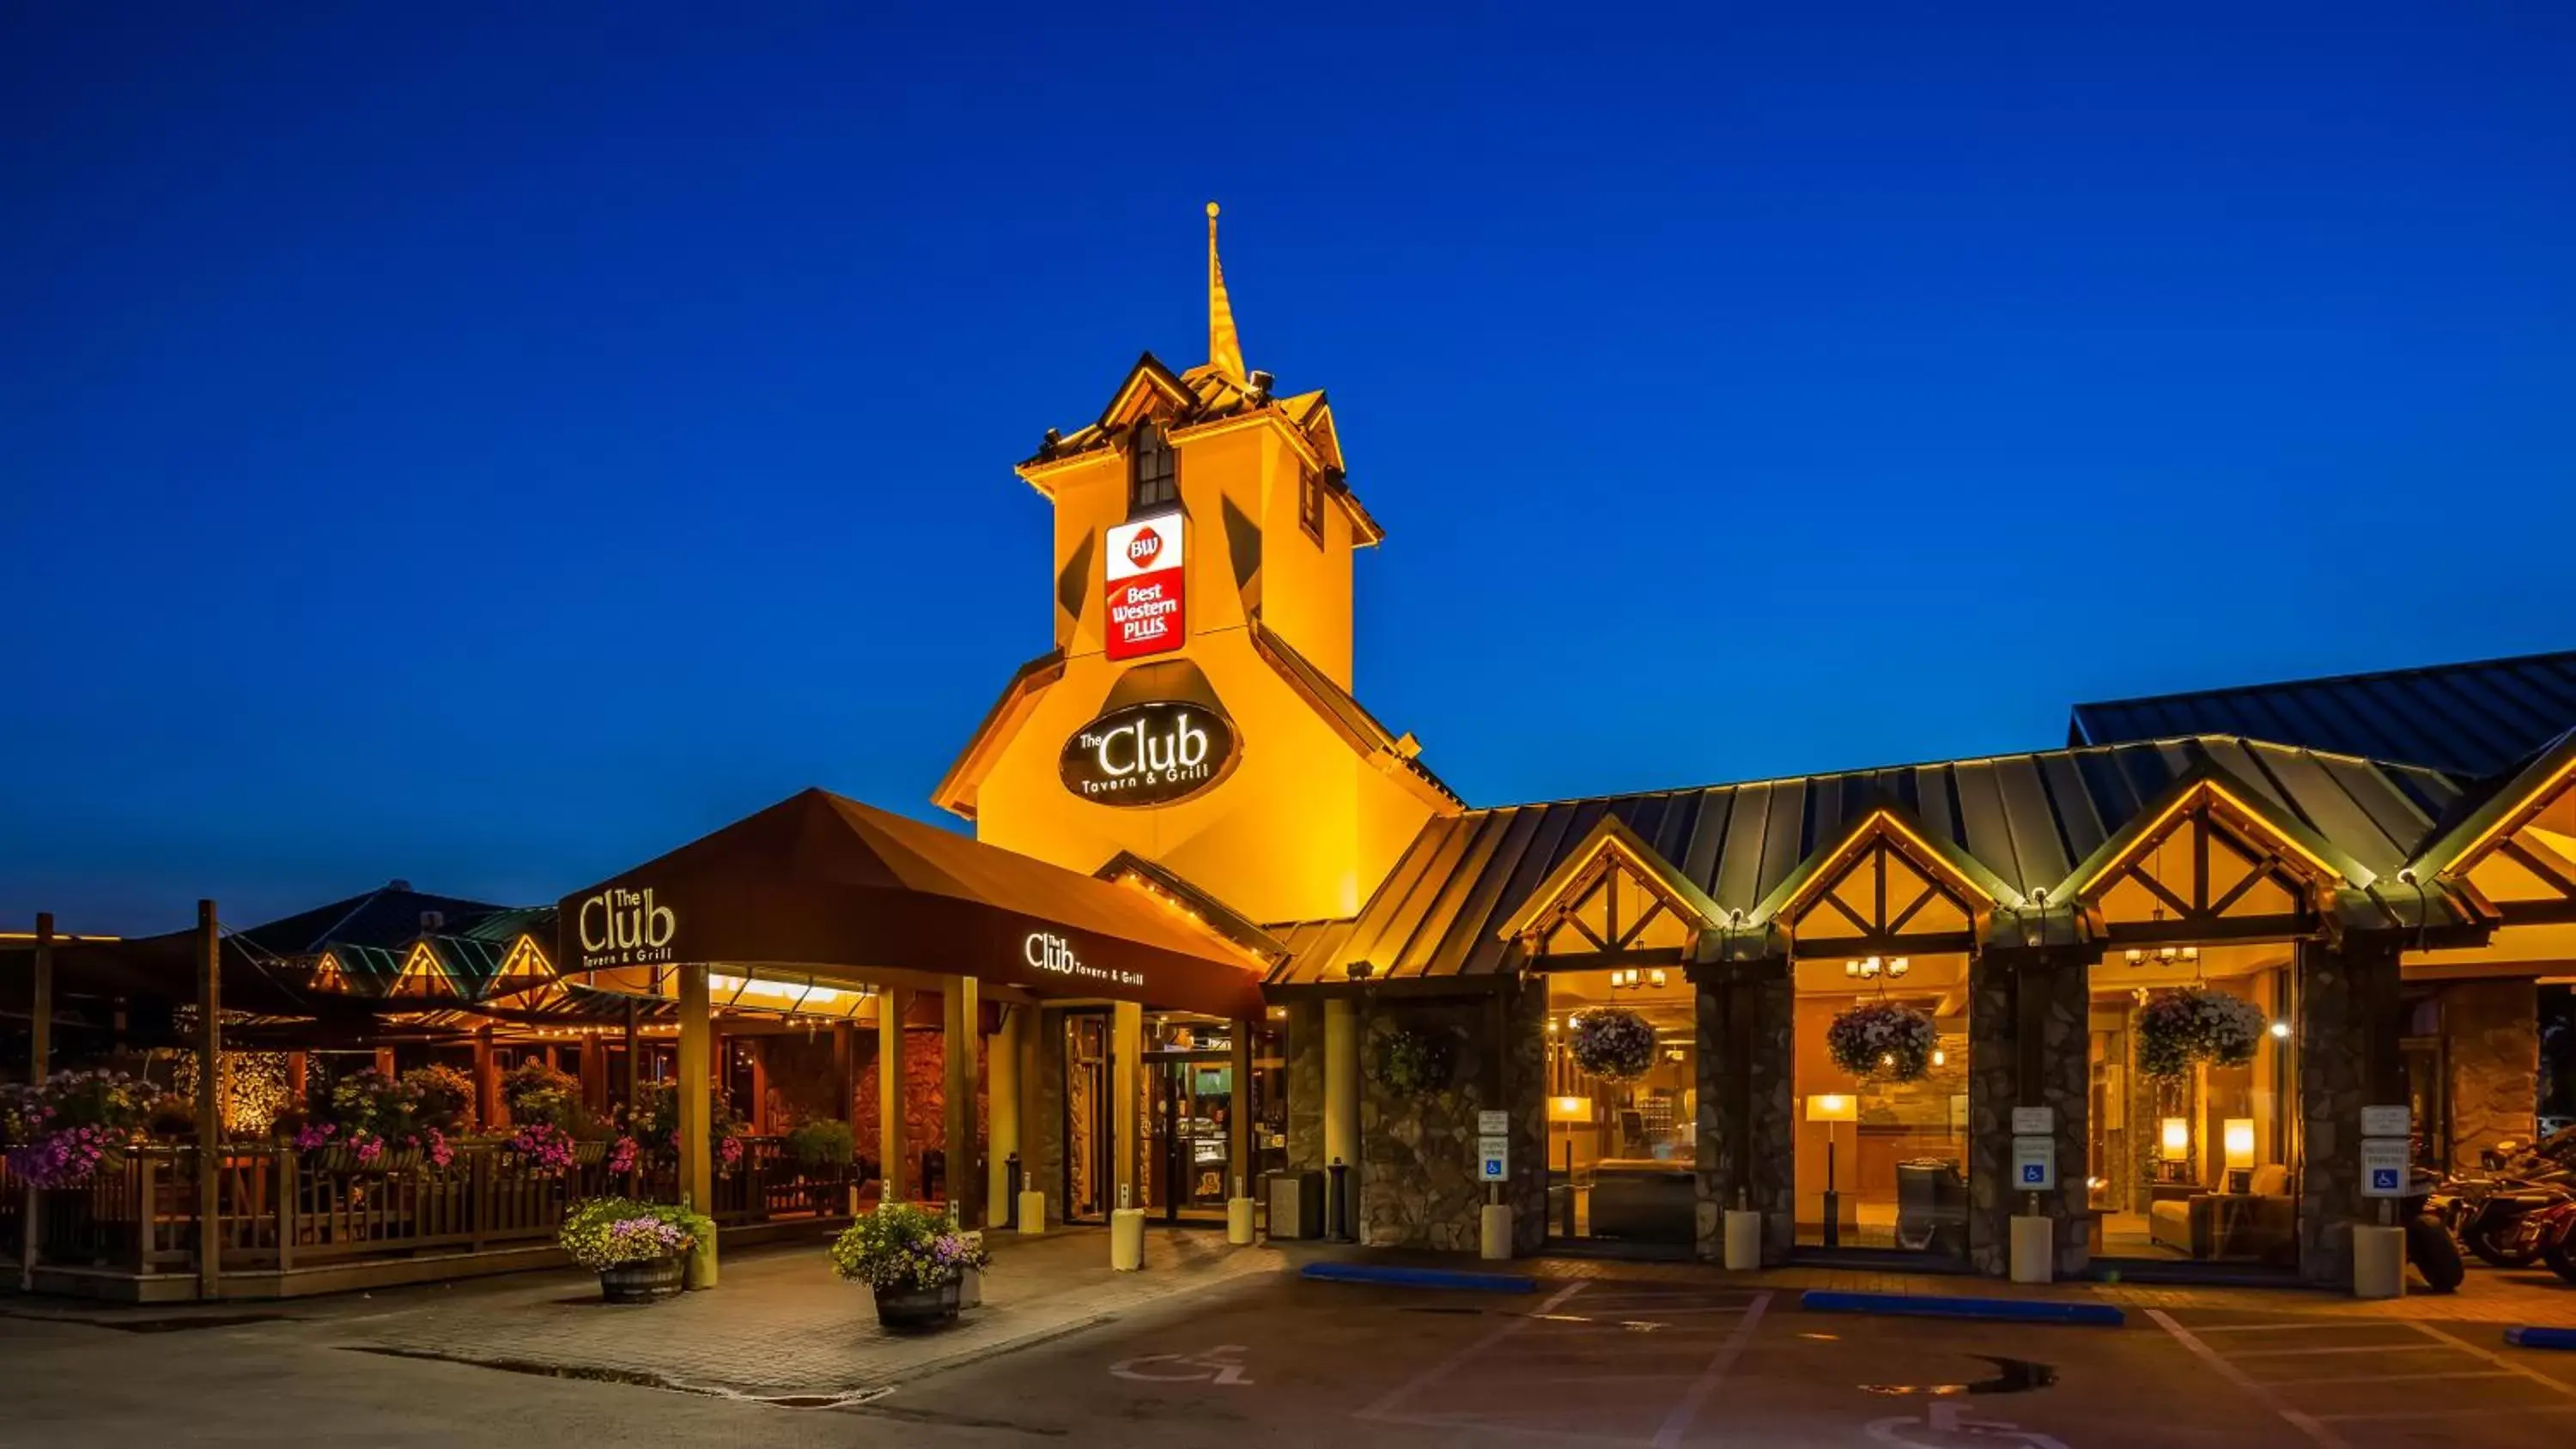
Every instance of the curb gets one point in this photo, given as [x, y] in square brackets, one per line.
[2529, 1337]
[2006, 1310]
[1396, 1277]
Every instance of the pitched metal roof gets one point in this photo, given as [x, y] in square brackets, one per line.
[2030, 819]
[390, 915]
[2473, 719]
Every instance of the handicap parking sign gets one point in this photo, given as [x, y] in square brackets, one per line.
[2384, 1179]
[2034, 1174]
[2383, 1167]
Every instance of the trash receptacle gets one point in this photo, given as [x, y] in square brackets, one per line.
[1296, 1204]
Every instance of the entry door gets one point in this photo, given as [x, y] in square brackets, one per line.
[1193, 1103]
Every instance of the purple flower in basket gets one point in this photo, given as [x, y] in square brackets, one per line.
[543, 1149]
[621, 1157]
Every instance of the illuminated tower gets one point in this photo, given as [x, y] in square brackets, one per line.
[1196, 708]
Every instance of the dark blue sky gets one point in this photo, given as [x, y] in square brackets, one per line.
[488, 450]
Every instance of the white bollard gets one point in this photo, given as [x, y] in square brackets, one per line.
[1033, 1210]
[2378, 1262]
[970, 1288]
[1238, 1220]
[2034, 1250]
[1494, 1229]
[1743, 1240]
[1127, 1239]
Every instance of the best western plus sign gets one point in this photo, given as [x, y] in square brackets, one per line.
[1143, 572]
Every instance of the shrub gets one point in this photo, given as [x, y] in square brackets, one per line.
[905, 1246]
[536, 1092]
[1412, 1063]
[441, 1097]
[610, 1232]
[823, 1143]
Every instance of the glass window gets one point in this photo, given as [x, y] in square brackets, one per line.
[1622, 1145]
[1310, 504]
[2193, 1159]
[1153, 470]
[1882, 1158]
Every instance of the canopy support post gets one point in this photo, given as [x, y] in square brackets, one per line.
[1127, 1048]
[210, 1122]
[697, 1168]
[890, 1104]
[40, 1043]
[487, 1081]
[1002, 1059]
[962, 1012]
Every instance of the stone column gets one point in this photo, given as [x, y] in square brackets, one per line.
[962, 1018]
[1748, 1145]
[890, 1093]
[1304, 1046]
[1341, 1082]
[1042, 1106]
[2350, 1023]
[2028, 1039]
[2491, 1053]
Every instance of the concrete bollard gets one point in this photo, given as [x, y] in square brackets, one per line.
[1127, 1239]
[1238, 1220]
[1494, 1229]
[2378, 1262]
[1033, 1211]
[2034, 1250]
[699, 1271]
[1743, 1240]
[970, 1288]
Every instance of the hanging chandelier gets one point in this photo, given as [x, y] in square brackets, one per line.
[1870, 968]
[2165, 956]
[1626, 978]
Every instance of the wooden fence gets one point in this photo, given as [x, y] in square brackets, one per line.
[278, 1209]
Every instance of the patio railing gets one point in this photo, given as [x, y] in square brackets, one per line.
[279, 1209]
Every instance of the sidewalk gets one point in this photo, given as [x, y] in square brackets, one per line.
[781, 1326]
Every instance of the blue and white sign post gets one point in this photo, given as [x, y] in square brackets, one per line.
[2387, 1172]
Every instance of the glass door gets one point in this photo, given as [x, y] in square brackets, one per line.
[1191, 1102]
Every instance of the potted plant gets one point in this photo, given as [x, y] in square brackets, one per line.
[1882, 1041]
[2196, 1024]
[637, 1248]
[541, 1149]
[1613, 1043]
[63, 1130]
[653, 1124]
[912, 1258]
[822, 1142]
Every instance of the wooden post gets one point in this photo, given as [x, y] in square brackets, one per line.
[299, 1077]
[697, 1167]
[845, 1080]
[962, 1014]
[210, 1124]
[283, 1160]
[757, 1048]
[634, 1052]
[1003, 1096]
[40, 1018]
[1126, 1050]
[890, 1004]
[487, 1081]
[385, 1061]
[594, 1074]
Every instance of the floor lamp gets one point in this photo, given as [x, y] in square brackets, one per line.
[1830, 1108]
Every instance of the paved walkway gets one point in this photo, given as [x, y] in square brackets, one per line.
[782, 1325]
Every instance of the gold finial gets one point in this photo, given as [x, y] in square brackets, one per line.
[1225, 349]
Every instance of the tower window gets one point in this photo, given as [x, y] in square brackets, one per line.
[1153, 478]
[1310, 503]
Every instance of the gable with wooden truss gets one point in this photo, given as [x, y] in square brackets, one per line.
[1886, 888]
[2516, 859]
[1613, 900]
[2207, 864]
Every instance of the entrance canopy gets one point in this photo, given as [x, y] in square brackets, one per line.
[828, 889]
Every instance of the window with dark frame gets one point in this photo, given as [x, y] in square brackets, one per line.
[1153, 477]
[1310, 503]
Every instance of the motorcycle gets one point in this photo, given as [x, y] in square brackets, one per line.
[2429, 1244]
[2486, 1212]
[2550, 1235]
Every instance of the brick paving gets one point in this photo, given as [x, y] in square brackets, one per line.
[782, 1325]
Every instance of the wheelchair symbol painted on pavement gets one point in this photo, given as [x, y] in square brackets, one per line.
[1946, 1425]
[1222, 1364]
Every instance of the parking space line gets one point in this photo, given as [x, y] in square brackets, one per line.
[2556, 1386]
[1678, 1421]
[2390, 1378]
[2244, 1353]
[2310, 1324]
[2479, 1412]
[1382, 1409]
[2305, 1423]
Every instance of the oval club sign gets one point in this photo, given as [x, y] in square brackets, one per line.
[1156, 753]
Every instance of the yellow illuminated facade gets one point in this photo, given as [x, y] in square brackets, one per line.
[1316, 799]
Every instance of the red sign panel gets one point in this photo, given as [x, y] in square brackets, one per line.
[1143, 573]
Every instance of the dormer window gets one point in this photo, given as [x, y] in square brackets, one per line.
[1153, 476]
[1310, 504]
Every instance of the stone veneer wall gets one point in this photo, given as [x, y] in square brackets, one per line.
[1305, 1047]
[925, 1095]
[803, 1084]
[2348, 1060]
[1999, 982]
[1418, 1185]
[1747, 1109]
[2491, 1049]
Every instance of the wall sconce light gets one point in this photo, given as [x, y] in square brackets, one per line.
[2280, 1031]
[1871, 967]
[1940, 1057]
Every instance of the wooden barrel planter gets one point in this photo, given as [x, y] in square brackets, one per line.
[647, 1282]
[916, 1309]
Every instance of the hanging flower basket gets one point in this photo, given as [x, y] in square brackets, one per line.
[65, 1130]
[1883, 1041]
[542, 1149]
[2180, 1028]
[1412, 1063]
[1613, 1043]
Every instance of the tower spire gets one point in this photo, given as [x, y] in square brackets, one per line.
[1225, 350]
